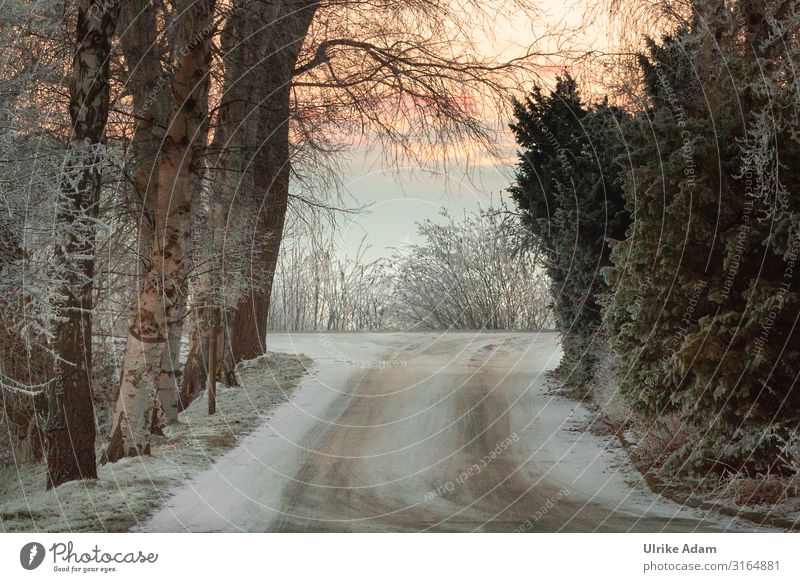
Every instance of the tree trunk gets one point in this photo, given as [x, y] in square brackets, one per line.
[160, 292]
[228, 150]
[249, 338]
[70, 426]
[226, 367]
[140, 44]
[252, 311]
[195, 372]
[271, 168]
[285, 25]
[169, 379]
[145, 75]
[212, 365]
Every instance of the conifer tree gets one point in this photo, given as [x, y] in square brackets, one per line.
[704, 304]
[568, 189]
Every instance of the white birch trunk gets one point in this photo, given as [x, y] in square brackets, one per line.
[162, 293]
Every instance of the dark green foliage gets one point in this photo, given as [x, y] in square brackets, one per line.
[697, 196]
[704, 303]
[569, 190]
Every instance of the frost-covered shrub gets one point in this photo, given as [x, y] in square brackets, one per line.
[764, 490]
[473, 273]
[658, 442]
[615, 411]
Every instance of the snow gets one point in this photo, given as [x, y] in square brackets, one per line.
[360, 445]
[317, 465]
[128, 491]
[259, 467]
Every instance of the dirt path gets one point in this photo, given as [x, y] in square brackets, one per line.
[416, 432]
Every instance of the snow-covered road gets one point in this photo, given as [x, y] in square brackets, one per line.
[424, 431]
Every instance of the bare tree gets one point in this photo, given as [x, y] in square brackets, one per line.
[217, 249]
[260, 46]
[317, 290]
[30, 167]
[410, 75]
[274, 38]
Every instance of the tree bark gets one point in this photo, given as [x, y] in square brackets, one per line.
[252, 311]
[169, 377]
[194, 373]
[145, 82]
[206, 299]
[160, 291]
[70, 427]
[145, 78]
[285, 26]
[212, 365]
[205, 302]
[227, 149]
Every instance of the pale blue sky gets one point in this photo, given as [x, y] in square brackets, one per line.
[400, 198]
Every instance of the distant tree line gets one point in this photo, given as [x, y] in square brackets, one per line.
[473, 273]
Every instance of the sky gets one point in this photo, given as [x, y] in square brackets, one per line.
[398, 198]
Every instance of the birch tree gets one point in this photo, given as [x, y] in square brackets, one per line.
[70, 425]
[142, 48]
[162, 291]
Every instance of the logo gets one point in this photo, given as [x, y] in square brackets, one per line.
[31, 555]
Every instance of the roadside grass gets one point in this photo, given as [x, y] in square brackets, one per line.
[764, 500]
[126, 493]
